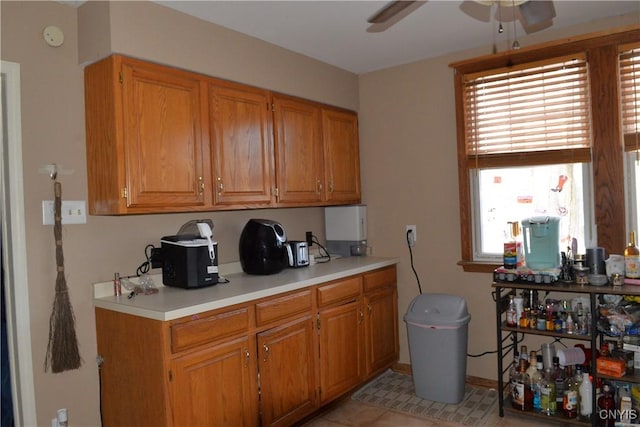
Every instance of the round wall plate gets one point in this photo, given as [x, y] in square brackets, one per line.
[53, 36]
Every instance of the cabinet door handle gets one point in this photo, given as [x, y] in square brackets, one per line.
[361, 316]
[331, 186]
[220, 185]
[369, 309]
[201, 185]
[318, 186]
[247, 357]
[266, 352]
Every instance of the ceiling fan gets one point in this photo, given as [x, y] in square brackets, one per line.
[536, 15]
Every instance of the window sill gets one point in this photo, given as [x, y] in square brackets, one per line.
[477, 266]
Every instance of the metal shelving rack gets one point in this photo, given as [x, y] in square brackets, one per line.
[507, 339]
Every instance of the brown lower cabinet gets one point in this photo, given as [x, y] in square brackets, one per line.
[269, 362]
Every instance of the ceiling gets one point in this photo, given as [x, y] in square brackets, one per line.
[335, 32]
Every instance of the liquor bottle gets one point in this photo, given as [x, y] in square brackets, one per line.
[513, 373]
[558, 377]
[512, 321]
[586, 391]
[632, 258]
[510, 254]
[532, 362]
[536, 381]
[570, 324]
[606, 408]
[579, 319]
[548, 394]
[522, 398]
[524, 355]
[523, 322]
[571, 398]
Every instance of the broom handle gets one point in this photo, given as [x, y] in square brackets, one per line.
[57, 229]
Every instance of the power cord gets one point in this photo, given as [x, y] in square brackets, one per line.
[411, 257]
[145, 266]
[324, 258]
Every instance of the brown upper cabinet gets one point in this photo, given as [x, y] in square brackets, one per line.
[160, 139]
[241, 145]
[145, 127]
[341, 151]
[299, 155]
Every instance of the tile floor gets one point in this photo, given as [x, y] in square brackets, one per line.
[351, 413]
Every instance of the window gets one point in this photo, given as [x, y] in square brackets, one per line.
[538, 108]
[630, 100]
[539, 132]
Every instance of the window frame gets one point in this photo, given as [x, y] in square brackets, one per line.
[607, 157]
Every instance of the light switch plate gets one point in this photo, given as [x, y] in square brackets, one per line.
[73, 212]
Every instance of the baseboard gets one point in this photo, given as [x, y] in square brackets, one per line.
[405, 368]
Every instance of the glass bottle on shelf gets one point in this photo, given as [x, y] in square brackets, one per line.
[524, 355]
[581, 327]
[570, 323]
[512, 321]
[632, 258]
[558, 377]
[571, 398]
[548, 394]
[522, 398]
[532, 364]
[536, 381]
[606, 408]
[513, 373]
[523, 322]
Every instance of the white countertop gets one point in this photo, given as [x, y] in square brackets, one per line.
[172, 303]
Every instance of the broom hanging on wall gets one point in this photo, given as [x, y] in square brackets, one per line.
[62, 350]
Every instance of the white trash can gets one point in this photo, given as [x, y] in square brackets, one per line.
[437, 325]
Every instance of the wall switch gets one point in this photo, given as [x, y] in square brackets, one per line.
[73, 212]
[412, 235]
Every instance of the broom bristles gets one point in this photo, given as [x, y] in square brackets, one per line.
[62, 349]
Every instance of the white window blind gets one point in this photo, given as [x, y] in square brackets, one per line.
[630, 96]
[540, 109]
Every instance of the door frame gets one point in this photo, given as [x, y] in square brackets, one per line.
[14, 254]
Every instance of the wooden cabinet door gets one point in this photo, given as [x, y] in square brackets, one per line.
[163, 142]
[299, 153]
[341, 365]
[342, 156]
[381, 329]
[287, 372]
[216, 386]
[241, 145]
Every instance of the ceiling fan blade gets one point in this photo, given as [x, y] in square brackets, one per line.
[389, 11]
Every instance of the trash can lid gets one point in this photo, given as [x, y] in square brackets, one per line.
[438, 310]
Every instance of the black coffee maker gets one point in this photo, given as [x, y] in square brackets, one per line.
[262, 248]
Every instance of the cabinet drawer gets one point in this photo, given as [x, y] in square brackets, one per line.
[282, 307]
[339, 291]
[380, 278]
[200, 331]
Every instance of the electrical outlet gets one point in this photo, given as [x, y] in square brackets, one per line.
[412, 234]
[73, 212]
[309, 237]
